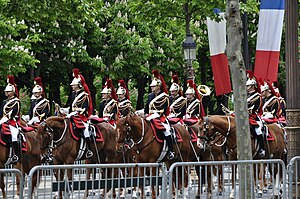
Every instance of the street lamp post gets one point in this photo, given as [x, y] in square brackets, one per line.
[189, 48]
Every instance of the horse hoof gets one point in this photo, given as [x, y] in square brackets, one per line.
[265, 191]
[148, 194]
[259, 195]
[270, 186]
[197, 197]
[220, 193]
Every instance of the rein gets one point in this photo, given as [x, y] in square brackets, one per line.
[215, 134]
[54, 143]
[133, 143]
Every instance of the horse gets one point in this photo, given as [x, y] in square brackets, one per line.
[57, 130]
[225, 125]
[28, 159]
[138, 132]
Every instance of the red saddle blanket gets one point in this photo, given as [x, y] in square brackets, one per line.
[270, 121]
[270, 136]
[190, 121]
[193, 134]
[77, 133]
[4, 141]
[158, 132]
[175, 120]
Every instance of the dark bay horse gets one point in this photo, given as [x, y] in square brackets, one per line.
[57, 130]
[147, 149]
[28, 159]
[225, 125]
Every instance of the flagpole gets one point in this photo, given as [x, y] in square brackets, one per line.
[245, 41]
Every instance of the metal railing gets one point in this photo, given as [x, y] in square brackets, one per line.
[184, 179]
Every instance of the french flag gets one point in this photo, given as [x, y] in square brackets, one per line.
[269, 39]
[218, 58]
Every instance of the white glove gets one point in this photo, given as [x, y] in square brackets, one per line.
[64, 111]
[267, 115]
[26, 118]
[34, 120]
[71, 114]
[152, 116]
[140, 112]
[3, 120]
[171, 116]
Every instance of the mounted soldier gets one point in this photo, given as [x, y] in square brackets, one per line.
[158, 107]
[80, 107]
[123, 99]
[40, 106]
[9, 112]
[177, 101]
[254, 102]
[108, 108]
[271, 105]
[282, 112]
[194, 108]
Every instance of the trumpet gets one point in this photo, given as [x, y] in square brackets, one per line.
[204, 90]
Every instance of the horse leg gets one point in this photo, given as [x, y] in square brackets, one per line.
[233, 175]
[220, 179]
[2, 185]
[277, 182]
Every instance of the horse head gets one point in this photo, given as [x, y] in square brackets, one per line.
[213, 126]
[51, 131]
[129, 129]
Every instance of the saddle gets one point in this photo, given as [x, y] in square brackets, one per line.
[5, 138]
[267, 134]
[190, 121]
[158, 129]
[77, 132]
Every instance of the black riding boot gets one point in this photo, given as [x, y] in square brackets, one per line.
[88, 153]
[169, 141]
[261, 151]
[14, 157]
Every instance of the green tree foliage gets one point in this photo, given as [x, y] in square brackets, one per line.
[123, 39]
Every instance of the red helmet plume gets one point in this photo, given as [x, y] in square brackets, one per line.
[122, 88]
[157, 75]
[11, 85]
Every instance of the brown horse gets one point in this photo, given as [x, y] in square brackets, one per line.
[147, 149]
[28, 159]
[57, 130]
[225, 125]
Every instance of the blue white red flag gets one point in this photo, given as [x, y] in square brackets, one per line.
[269, 39]
[218, 58]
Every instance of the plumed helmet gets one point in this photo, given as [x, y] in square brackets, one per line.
[251, 79]
[175, 83]
[77, 79]
[109, 89]
[158, 80]
[190, 87]
[38, 86]
[122, 89]
[11, 86]
[267, 86]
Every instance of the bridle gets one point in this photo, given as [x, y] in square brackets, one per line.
[216, 133]
[49, 130]
[128, 141]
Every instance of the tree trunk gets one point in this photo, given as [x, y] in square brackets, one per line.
[141, 83]
[238, 74]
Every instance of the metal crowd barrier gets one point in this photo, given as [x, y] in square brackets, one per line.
[10, 182]
[199, 174]
[130, 180]
[294, 177]
[110, 180]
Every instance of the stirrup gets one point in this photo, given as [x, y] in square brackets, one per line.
[261, 153]
[171, 155]
[89, 154]
[14, 159]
